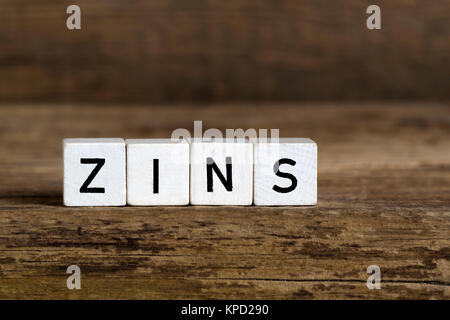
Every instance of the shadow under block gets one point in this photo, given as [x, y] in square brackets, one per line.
[94, 172]
[221, 172]
[157, 172]
[285, 172]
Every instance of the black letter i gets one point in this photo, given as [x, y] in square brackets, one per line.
[155, 175]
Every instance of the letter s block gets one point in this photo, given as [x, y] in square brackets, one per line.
[94, 172]
[221, 172]
[286, 173]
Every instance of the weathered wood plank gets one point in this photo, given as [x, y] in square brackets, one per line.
[159, 51]
[384, 176]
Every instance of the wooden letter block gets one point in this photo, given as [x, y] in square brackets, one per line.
[94, 172]
[157, 172]
[286, 172]
[221, 172]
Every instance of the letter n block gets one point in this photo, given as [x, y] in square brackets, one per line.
[286, 173]
[94, 172]
[221, 172]
[157, 172]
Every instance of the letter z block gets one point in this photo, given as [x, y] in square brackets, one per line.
[157, 172]
[221, 172]
[286, 173]
[94, 172]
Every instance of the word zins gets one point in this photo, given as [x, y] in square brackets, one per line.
[164, 172]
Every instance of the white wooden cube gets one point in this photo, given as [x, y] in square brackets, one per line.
[94, 172]
[221, 172]
[286, 172]
[157, 172]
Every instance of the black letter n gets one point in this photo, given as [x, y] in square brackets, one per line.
[99, 164]
[210, 166]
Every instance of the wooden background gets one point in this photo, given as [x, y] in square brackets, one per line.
[154, 66]
[383, 199]
[215, 50]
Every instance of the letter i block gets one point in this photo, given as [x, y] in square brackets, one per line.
[157, 172]
[94, 172]
[221, 172]
[286, 172]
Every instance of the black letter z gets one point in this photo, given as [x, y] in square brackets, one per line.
[99, 164]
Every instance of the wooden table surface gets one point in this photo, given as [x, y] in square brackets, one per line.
[383, 199]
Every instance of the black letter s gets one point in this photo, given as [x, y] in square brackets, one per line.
[284, 175]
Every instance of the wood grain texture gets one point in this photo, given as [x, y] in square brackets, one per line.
[383, 198]
[211, 50]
